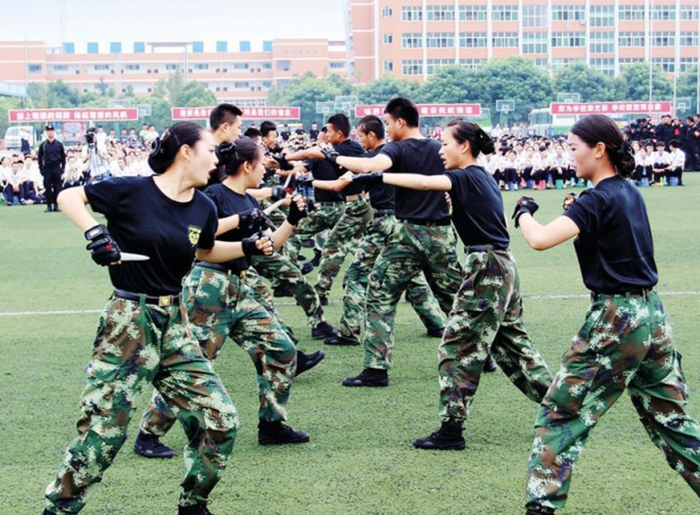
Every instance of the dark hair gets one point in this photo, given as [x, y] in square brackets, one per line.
[673, 143]
[403, 108]
[324, 130]
[340, 122]
[266, 127]
[233, 155]
[479, 141]
[373, 124]
[598, 128]
[252, 132]
[223, 113]
[166, 147]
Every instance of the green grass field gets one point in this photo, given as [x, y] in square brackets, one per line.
[359, 460]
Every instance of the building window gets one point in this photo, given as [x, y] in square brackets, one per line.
[240, 66]
[631, 39]
[472, 64]
[101, 67]
[440, 40]
[387, 12]
[34, 68]
[663, 12]
[534, 16]
[435, 64]
[133, 67]
[687, 63]
[605, 65]
[472, 39]
[267, 66]
[568, 39]
[560, 64]
[412, 67]
[602, 16]
[171, 67]
[504, 13]
[629, 61]
[440, 13]
[568, 13]
[412, 13]
[690, 12]
[388, 66]
[115, 48]
[665, 64]
[388, 39]
[241, 85]
[222, 46]
[412, 40]
[505, 40]
[631, 13]
[534, 42]
[602, 42]
[542, 63]
[472, 13]
[59, 68]
[93, 48]
[663, 38]
[689, 39]
[337, 66]
[200, 66]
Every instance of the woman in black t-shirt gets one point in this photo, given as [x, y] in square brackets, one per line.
[625, 341]
[221, 304]
[486, 315]
[143, 335]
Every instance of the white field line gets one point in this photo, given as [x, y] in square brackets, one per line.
[288, 303]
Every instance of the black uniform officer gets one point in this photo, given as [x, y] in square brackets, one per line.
[52, 162]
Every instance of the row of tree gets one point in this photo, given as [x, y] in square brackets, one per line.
[514, 78]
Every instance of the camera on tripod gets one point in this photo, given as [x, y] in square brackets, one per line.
[90, 137]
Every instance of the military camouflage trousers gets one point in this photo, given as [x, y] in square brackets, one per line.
[288, 275]
[262, 294]
[221, 305]
[344, 237]
[136, 343]
[411, 249]
[487, 317]
[625, 342]
[324, 217]
[357, 280]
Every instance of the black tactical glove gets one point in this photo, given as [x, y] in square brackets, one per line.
[295, 214]
[284, 164]
[249, 248]
[103, 249]
[569, 200]
[524, 205]
[330, 154]
[251, 221]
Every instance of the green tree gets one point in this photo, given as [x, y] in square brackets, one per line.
[194, 95]
[130, 90]
[687, 86]
[60, 94]
[160, 90]
[447, 86]
[384, 89]
[160, 111]
[38, 94]
[102, 87]
[591, 84]
[175, 85]
[5, 105]
[633, 84]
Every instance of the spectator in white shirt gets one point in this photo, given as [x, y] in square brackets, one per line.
[150, 136]
[660, 162]
[13, 184]
[101, 140]
[643, 165]
[676, 162]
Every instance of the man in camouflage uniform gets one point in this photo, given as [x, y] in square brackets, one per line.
[138, 343]
[625, 342]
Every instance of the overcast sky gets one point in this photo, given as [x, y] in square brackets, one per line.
[175, 20]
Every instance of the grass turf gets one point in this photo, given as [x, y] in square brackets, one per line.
[359, 460]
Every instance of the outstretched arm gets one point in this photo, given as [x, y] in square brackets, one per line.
[416, 181]
[543, 237]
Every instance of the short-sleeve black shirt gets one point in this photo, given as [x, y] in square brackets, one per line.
[322, 170]
[143, 220]
[614, 248]
[349, 148]
[477, 208]
[419, 156]
[381, 196]
[229, 203]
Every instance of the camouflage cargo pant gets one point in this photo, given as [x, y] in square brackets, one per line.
[411, 248]
[344, 237]
[136, 343]
[487, 317]
[222, 305]
[625, 342]
[262, 294]
[324, 217]
[281, 268]
[357, 279]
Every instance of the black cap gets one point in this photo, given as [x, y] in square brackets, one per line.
[49, 127]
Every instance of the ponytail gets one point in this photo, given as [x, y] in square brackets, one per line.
[598, 128]
[479, 141]
[233, 155]
[166, 147]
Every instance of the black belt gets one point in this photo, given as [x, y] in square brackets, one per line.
[383, 212]
[163, 300]
[483, 248]
[427, 223]
[220, 268]
[641, 292]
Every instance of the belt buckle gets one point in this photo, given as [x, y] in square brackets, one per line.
[243, 273]
[165, 301]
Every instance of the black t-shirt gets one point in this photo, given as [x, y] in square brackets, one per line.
[322, 170]
[381, 196]
[614, 248]
[143, 220]
[300, 132]
[285, 135]
[418, 156]
[477, 208]
[229, 203]
[349, 148]
[313, 134]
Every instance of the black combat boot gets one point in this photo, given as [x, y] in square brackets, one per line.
[149, 446]
[448, 437]
[195, 509]
[340, 340]
[369, 377]
[323, 330]
[308, 361]
[490, 364]
[277, 433]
